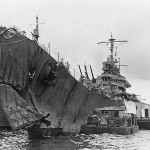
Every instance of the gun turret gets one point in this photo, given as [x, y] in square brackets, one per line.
[80, 70]
[86, 72]
[93, 79]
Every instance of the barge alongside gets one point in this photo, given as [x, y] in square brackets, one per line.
[124, 125]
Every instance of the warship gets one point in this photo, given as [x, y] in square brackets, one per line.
[111, 119]
[113, 85]
[33, 83]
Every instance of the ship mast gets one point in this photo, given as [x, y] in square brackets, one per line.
[111, 41]
[37, 26]
[35, 33]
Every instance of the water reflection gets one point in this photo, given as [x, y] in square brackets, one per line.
[57, 143]
[20, 141]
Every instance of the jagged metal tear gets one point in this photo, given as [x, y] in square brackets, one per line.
[18, 112]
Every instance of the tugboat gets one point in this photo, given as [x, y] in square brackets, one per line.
[109, 118]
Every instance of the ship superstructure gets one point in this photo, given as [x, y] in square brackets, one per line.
[110, 82]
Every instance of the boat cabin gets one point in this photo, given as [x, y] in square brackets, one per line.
[111, 120]
[93, 120]
[114, 116]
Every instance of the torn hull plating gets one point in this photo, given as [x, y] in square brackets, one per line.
[25, 69]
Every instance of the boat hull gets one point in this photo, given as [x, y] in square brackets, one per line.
[144, 123]
[91, 129]
[40, 133]
[4, 123]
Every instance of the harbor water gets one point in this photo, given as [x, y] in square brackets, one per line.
[21, 141]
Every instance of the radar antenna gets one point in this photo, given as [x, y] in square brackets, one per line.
[111, 41]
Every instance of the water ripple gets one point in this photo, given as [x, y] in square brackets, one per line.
[13, 141]
[20, 141]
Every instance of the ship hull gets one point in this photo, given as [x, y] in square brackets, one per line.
[88, 129]
[144, 123]
[3, 119]
[25, 77]
[68, 106]
[69, 102]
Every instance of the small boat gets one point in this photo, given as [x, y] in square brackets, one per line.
[110, 122]
[144, 123]
[35, 132]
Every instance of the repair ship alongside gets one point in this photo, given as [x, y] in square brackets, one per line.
[33, 83]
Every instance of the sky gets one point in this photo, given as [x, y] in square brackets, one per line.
[73, 28]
